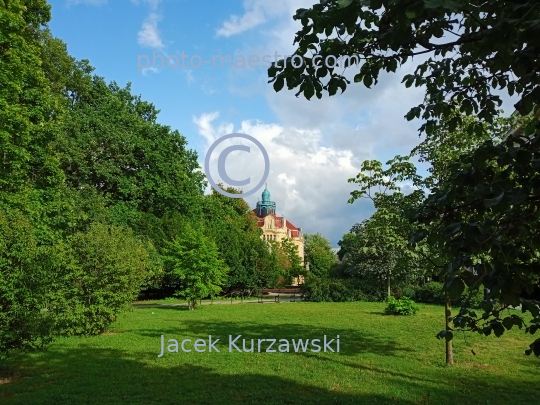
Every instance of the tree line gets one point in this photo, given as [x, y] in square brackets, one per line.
[473, 222]
[98, 201]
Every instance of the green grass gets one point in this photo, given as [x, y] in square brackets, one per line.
[383, 360]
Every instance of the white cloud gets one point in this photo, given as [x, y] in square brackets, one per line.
[189, 77]
[308, 181]
[258, 12]
[207, 130]
[145, 71]
[148, 35]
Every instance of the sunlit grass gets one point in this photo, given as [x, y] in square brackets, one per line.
[383, 359]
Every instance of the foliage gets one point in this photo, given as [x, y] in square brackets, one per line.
[114, 145]
[234, 228]
[319, 254]
[26, 110]
[463, 71]
[430, 293]
[380, 244]
[402, 306]
[288, 260]
[194, 259]
[106, 268]
[24, 283]
[485, 217]
[324, 289]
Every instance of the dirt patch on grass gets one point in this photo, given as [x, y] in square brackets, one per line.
[8, 376]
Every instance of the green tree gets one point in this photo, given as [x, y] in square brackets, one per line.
[382, 240]
[103, 272]
[194, 258]
[319, 254]
[27, 112]
[485, 217]
[476, 48]
[231, 223]
[24, 282]
[488, 46]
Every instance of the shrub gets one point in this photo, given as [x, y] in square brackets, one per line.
[107, 268]
[342, 291]
[430, 293]
[403, 306]
[24, 282]
[319, 289]
[369, 289]
[405, 290]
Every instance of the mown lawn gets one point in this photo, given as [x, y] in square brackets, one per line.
[382, 360]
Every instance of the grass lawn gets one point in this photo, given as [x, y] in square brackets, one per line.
[382, 360]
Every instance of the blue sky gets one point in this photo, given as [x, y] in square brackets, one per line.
[314, 146]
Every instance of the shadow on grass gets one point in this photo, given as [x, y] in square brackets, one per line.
[87, 375]
[107, 376]
[352, 341]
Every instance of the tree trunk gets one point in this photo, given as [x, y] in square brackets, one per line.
[388, 282]
[448, 314]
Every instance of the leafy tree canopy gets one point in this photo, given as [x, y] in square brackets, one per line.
[475, 48]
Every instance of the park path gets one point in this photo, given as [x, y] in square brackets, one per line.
[139, 304]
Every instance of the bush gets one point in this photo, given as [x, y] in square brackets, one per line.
[403, 306]
[405, 290]
[430, 293]
[107, 267]
[319, 289]
[369, 289]
[24, 282]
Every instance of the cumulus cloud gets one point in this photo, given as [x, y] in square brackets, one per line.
[148, 35]
[308, 180]
[257, 12]
[318, 144]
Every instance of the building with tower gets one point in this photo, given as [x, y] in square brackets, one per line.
[276, 227]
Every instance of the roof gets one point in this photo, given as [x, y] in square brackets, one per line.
[295, 231]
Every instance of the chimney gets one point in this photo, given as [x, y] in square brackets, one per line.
[284, 222]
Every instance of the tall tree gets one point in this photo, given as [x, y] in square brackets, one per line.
[476, 48]
[319, 254]
[194, 258]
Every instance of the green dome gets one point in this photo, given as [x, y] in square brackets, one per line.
[266, 195]
[266, 206]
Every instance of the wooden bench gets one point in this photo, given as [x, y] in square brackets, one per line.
[277, 293]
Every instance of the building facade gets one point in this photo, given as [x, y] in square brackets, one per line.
[277, 228]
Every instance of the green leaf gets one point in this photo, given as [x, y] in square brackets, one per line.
[455, 287]
[279, 83]
[368, 81]
[508, 323]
